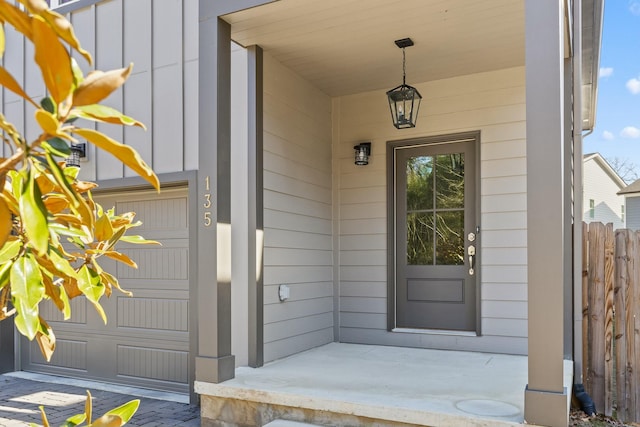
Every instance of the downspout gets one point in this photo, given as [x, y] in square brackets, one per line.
[577, 193]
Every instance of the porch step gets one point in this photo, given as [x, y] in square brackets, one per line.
[286, 423]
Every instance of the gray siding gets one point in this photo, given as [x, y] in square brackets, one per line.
[633, 213]
[493, 103]
[297, 213]
[161, 39]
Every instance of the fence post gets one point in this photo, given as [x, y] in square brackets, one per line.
[586, 355]
[596, 383]
[609, 264]
[623, 269]
[633, 340]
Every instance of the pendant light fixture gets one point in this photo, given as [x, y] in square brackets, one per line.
[404, 100]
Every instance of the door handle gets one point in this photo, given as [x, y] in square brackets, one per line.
[471, 250]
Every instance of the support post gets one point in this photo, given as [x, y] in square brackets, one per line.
[546, 398]
[256, 207]
[214, 361]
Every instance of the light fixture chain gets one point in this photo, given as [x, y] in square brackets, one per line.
[404, 68]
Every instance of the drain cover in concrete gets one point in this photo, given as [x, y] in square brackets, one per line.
[488, 408]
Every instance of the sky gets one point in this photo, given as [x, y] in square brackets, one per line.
[617, 130]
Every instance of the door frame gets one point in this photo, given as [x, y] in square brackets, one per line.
[392, 146]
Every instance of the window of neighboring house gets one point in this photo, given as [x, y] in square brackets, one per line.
[65, 6]
[592, 208]
[622, 213]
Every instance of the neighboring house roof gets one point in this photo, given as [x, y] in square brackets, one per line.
[631, 189]
[596, 157]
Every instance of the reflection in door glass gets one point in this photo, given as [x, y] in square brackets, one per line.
[419, 183]
[450, 181]
[435, 209]
[450, 238]
[420, 239]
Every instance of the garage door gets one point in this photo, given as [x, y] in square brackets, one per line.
[146, 340]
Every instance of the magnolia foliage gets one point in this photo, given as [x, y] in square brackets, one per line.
[52, 232]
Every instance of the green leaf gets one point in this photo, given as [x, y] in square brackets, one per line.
[78, 75]
[102, 113]
[125, 411]
[34, 215]
[57, 147]
[48, 105]
[75, 420]
[91, 286]
[5, 273]
[139, 240]
[26, 281]
[9, 251]
[26, 320]
[62, 264]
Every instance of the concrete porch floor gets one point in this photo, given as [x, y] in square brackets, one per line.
[391, 384]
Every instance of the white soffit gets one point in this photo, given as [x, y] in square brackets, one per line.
[346, 46]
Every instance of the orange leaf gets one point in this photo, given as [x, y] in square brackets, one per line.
[59, 23]
[122, 258]
[83, 186]
[19, 19]
[46, 341]
[71, 287]
[124, 153]
[7, 80]
[53, 59]
[98, 85]
[6, 222]
[56, 204]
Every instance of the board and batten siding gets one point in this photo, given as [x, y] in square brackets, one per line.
[161, 39]
[297, 213]
[494, 104]
[602, 189]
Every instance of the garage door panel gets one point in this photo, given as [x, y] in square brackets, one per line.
[153, 363]
[51, 313]
[153, 313]
[159, 263]
[70, 354]
[146, 340]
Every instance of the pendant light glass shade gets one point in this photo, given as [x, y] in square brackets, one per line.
[404, 100]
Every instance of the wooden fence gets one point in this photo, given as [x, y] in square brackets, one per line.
[611, 319]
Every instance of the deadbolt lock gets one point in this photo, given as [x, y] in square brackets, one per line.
[471, 237]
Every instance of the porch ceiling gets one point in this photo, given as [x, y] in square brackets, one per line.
[346, 46]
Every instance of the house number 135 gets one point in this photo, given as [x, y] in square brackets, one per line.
[207, 202]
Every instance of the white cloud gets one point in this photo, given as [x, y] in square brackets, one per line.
[630, 132]
[606, 71]
[634, 7]
[634, 86]
[608, 135]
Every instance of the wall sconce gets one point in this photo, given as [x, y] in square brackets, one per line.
[363, 151]
[404, 100]
[78, 151]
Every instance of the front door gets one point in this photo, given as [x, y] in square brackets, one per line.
[435, 235]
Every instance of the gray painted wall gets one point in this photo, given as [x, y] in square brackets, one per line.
[297, 213]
